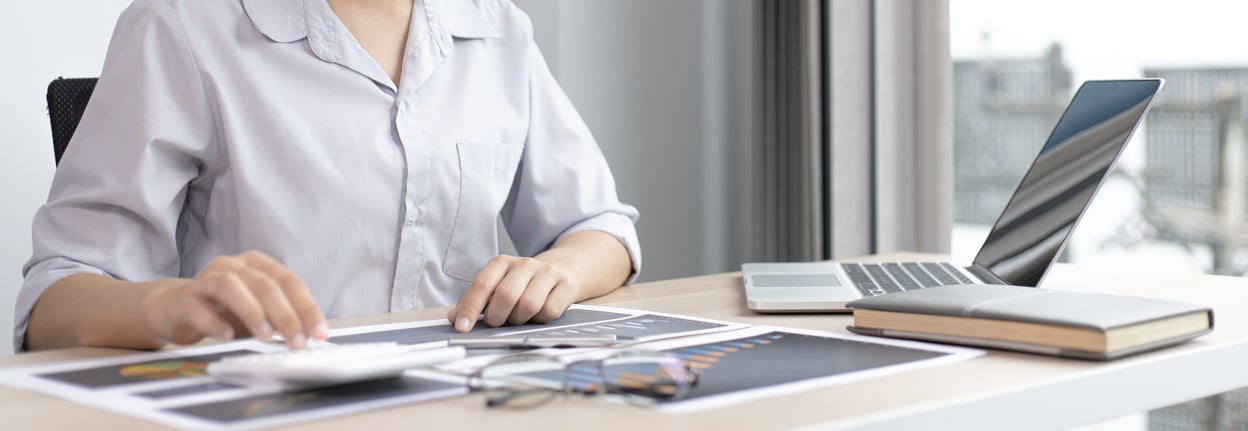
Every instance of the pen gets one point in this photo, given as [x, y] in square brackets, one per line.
[537, 340]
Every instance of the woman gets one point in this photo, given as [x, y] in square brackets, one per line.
[253, 167]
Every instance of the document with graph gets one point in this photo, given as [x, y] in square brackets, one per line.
[626, 324]
[173, 387]
[762, 361]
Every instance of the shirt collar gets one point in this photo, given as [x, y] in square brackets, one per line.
[280, 20]
[465, 20]
[285, 21]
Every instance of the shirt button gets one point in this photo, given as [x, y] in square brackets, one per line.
[412, 215]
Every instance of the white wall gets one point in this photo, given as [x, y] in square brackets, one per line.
[41, 41]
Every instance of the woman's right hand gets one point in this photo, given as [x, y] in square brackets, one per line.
[234, 295]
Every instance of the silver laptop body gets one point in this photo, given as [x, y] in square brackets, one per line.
[1024, 242]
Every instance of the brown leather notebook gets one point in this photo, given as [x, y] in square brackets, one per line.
[1060, 323]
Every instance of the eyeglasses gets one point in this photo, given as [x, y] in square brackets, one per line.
[528, 380]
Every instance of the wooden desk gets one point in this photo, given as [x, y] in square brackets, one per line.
[1000, 390]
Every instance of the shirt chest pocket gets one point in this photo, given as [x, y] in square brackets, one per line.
[486, 172]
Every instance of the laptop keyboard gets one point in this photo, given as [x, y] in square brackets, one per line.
[874, 279]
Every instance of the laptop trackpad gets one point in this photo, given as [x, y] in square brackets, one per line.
[795, 280]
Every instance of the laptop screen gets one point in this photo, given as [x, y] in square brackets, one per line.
[1041, 214]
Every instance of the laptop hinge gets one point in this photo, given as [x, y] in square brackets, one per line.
[984, 274]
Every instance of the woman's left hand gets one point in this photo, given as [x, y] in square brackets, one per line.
[515, 290]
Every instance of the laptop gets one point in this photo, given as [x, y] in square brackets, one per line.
[1028, 236]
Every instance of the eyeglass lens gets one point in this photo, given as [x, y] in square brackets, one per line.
[522, 381]
[525, 381]
[646, 378]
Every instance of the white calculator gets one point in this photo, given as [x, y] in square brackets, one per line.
[331, 364]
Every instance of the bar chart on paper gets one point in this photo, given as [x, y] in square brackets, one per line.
[435, 333]
[782, 357]
[641, 327]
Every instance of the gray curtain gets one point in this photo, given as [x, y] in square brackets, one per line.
[855, 152]
[789, 156]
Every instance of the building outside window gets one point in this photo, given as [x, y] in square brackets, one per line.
[1176, 202]
[1176, 199]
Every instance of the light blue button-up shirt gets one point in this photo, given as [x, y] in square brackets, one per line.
[224, 126]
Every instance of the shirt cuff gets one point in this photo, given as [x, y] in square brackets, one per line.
[619, 226]
[39, 277]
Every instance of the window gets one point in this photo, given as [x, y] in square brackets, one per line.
[1177, 199]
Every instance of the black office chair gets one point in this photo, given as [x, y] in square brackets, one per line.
[67, 98]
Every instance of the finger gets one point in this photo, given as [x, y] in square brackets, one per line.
[558, 301]
[202, 317]
[239, 302]
[297, 293]
[453, 316]
[507, 293]
[223, 264]
[473, 303]
[305, 306]
[277, 308]
[534, 297]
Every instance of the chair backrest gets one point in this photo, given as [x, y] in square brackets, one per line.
[67, 98]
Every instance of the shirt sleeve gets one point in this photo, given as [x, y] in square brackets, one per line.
[118, 193]
[563, 184]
